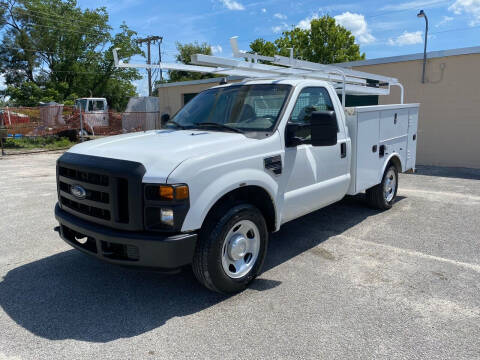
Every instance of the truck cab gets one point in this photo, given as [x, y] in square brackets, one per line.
[94, 111]
[229, 168]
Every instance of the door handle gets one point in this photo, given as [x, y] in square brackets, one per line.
[343, 150]
[381, 152]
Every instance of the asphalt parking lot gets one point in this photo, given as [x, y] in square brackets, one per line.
[345, 282]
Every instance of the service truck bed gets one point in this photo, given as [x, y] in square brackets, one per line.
[377, 132]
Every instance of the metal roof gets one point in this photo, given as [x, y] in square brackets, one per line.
[411, 57]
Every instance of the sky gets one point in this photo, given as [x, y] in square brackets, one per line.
[382, 28]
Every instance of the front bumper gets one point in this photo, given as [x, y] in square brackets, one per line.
[124, 247]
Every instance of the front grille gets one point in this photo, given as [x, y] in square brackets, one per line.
[88, 177]
[113, 190]
[85, 209]
[93, 195]
[96, 203]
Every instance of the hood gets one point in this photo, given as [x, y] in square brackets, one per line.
[160, 151]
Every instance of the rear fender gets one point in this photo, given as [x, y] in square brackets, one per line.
[395, 158]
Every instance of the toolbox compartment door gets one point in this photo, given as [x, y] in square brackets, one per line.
[412, 138]
[368, 161]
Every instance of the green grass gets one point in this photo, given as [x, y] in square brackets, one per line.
[40, 142]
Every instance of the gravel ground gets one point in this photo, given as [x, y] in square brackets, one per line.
[345, 282]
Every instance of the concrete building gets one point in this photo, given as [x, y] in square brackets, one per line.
[449, 121]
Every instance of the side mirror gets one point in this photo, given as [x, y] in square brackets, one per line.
[324, 128]
[291, 139]
[165, 118]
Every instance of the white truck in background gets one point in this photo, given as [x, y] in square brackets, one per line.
[94, 112]
[232, 166]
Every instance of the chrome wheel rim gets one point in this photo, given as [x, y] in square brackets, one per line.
[389, 188]
[240, 249]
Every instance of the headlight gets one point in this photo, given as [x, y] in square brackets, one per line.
[166, 217]
[166, 206]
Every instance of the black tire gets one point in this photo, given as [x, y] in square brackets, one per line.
[207, 261]
[376, 195]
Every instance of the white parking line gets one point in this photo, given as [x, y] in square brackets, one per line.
[473, 267]
[440, 194]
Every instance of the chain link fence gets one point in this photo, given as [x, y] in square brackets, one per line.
[29, 128]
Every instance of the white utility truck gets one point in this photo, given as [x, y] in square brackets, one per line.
[94, 112]
[232, 166]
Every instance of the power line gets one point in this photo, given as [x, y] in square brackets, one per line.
[50, 15]
[56, 71]
[66, 24]
[455, 29]
[36, 50]
[449, 30]
[41, 51]
[97, 32]
[63, 21]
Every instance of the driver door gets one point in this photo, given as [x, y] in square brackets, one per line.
[318, 175]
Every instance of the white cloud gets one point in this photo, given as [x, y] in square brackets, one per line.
[232, 5]
[305, 23]
[357, 24]
[216, 49]
[264, 10]
[418, 4]
[407, 38]
[446, 19]
[470, 7]
[280, 16]
[2, 82]
[278, 29]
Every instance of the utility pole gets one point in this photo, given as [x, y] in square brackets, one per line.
[150, 40]
[160, 58]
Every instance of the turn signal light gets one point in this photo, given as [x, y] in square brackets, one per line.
[178, 192]
[165, 192]
[181, 192]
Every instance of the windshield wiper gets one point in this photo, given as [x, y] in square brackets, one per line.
[176, 124]
[221, 126]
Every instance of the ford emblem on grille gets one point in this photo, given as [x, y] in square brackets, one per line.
[78, 191]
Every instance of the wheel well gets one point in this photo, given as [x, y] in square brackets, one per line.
[395, 161]
[254, 195]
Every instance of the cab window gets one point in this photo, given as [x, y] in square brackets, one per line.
[98, 105]
[309, 100]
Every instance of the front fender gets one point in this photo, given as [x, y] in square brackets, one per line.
[201, 203]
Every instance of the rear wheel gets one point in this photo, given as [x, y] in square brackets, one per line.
[382, 196]
[231, 249]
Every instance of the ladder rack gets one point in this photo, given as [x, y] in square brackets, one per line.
[345, 81]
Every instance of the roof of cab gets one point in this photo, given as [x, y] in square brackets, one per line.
[285, 81]
[91, 98]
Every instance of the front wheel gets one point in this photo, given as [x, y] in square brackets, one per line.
[382, 196]
[231, 249]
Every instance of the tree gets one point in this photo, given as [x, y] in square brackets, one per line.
[54, 51]
[325, 42]
[185, 52]
[263, 47]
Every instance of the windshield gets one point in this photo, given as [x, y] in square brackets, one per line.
[81, 104]
[242, 107]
